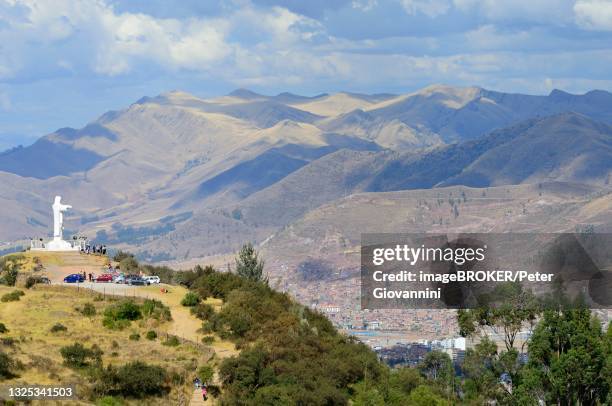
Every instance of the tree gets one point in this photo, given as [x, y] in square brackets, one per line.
[438, 366]
[569, 361]
[367, 396]
[128, 264]
[248, 265]
[424, 396]
[505, 311]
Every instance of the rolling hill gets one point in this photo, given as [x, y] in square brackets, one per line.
[186, 177]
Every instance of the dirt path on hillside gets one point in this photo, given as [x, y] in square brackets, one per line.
[183, 324]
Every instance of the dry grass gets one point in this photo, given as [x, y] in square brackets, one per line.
[30, 319]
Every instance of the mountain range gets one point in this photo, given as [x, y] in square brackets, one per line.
[175, 176]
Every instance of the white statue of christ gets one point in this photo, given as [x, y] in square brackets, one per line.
[58, 217]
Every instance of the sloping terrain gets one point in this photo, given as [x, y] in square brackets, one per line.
[183, 176]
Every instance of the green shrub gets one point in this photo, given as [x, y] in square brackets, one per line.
[135, 380]
[140, 380]
[172, 341]
[9, 275]
[77, 355]
[124, 310]
[156, 310]
[203, 311]
[3, 328]
[57, 327]
[88, 310]
[115, 324]
[119, 315]
[151, 335]
[13, 296]
[135, 337]
[191, 299]
[208, 340]
[109, 401]
[206, 373]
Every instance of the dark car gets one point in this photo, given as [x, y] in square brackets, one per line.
[105, 277]
[137, 281]
[74, 278]
[44, 279]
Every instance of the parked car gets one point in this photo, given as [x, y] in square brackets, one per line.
[105, 277]
[44, 279]
[131, 276]
[152, 279]
[137, 281]
[119, 278]
[74, 278]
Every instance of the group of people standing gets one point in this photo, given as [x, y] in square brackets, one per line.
[94, 249]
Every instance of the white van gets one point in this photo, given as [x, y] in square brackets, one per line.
[151, 279]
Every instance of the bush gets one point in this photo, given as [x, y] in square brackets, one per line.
[57, 327]
[128, 264]
[13, 296]
[151, 335]
[135, 337]
[7, 364]
[191, 299]
[119, 315]
[135, 380]
[7, 341]
[30, 281]
[208, 340]
[112, 324]
[88, 310]
[206, 373]
[172, 341]
[9, 274]
[77, 356]
[109, 401]
[157, 310]
[121, 255]
[203, 311]
[3, 328]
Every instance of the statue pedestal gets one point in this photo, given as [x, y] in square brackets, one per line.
[58, 244]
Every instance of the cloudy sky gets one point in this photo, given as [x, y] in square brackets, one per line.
[64, 62]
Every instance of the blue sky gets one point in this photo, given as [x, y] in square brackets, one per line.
[65, 62]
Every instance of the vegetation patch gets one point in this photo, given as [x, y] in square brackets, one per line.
[191, 299]
[58, 327]
[78, 356]
[12, 296]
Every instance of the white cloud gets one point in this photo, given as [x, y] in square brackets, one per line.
[550, 12]
[431, 8]
[594, 14]
[364, 5]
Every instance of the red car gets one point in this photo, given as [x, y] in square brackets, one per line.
[105, 277]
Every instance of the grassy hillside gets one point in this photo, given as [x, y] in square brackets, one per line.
[46, 319]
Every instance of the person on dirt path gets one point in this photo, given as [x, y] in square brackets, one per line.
[197, 382]
[204, 392]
